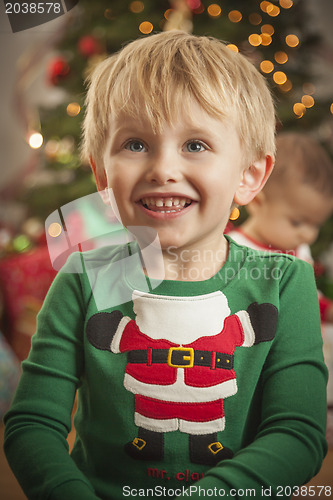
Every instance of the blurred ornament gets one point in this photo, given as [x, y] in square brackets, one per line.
[89, 46]
[51, 149]
[33, 228]
[58, 70]
[21, 243]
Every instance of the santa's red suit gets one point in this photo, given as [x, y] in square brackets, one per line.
[180, 360]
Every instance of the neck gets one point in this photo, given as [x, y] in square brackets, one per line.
[252, 230]
[194, 264]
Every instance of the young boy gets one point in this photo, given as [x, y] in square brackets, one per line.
[297, 199]
[214, 382]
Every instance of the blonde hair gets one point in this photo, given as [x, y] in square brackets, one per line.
[158, 75]
[301, 159]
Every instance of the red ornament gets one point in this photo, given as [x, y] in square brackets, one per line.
[193, 4]
[58, 70]
[89, 45]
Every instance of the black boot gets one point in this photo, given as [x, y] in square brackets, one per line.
[207, 450]
[148, 445]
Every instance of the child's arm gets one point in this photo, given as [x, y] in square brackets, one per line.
[40, 418]
[290, 439]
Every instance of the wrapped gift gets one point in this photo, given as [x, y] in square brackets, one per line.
[24, 280]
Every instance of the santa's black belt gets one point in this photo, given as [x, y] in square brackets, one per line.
[182, 357]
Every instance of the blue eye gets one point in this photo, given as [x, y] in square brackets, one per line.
[295, 223]
[135, 146]
[195, 147]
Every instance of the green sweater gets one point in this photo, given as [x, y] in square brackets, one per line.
[240, 406]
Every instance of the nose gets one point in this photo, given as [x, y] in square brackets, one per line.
[164, 167]
[309, 234]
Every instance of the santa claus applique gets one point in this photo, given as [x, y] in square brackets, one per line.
[180, 353]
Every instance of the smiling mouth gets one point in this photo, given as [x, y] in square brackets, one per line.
[166, 205]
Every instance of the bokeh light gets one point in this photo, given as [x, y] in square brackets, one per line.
[299, 109]
[146, 27]
[35, 140]
[268, 29]
[194, 4]
[265, 5]
[168, 13]
[266, 66]
[255, 19]
[136, 7]
[266, 39]
[214, 10]
[73, 109]
[279, 77]
[233, 47]
[273, 10]
[287, 86]
[281, 57]
[292, 40]
[235, 16]
[254, 39]
[308, 88]
[308, 101]
[286, 4]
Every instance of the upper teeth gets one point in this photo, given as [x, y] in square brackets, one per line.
[166, 202]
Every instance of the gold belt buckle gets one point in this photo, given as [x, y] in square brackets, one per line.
[189, 358]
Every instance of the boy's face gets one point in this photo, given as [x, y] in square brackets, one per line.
[294, 218]
[181, 180]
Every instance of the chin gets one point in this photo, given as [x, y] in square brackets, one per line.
[171, 239]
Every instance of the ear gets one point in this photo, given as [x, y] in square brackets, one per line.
[101, 181]
[253, 179]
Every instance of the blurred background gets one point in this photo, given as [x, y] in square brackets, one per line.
[42, 96]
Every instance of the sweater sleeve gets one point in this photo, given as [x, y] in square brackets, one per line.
[39, 420]
[290, 443]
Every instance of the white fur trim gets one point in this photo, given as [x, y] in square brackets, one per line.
[304, 252]
[114, 347]
[247, 328]
[202, 427]
[174, 424]
[179, 392]
[156, 425]
[180, 319]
